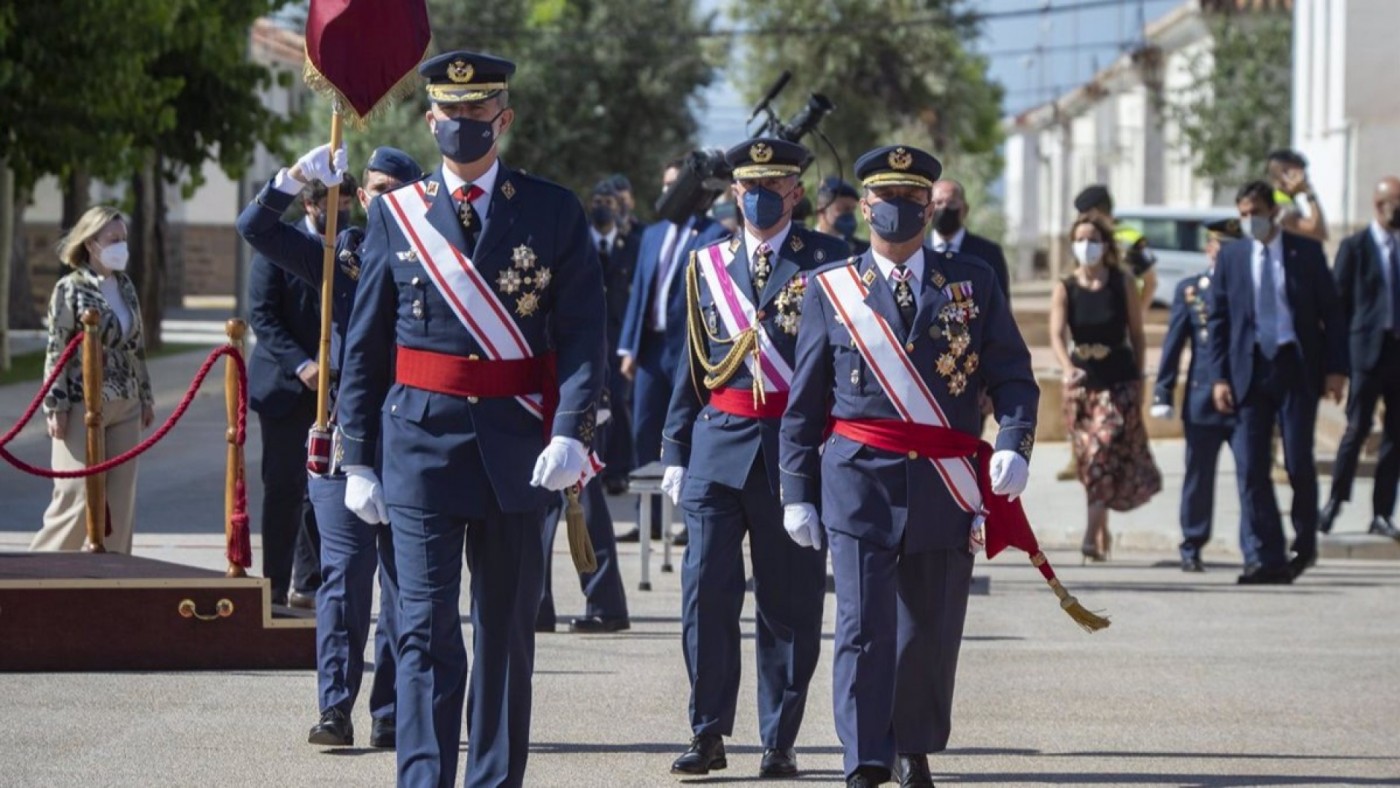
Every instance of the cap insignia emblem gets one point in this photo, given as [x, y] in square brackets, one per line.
[901, 159]
[761, 153]
[460, 71]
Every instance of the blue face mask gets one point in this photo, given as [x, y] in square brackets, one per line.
[465, 140]
[845, 225]
[897, 220]
[763, 208]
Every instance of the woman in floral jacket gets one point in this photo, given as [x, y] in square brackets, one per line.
[96, 252]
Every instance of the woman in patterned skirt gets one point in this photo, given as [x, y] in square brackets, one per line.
[95, 250]
[1096, 333]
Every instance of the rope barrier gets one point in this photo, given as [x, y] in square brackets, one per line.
[239, 548]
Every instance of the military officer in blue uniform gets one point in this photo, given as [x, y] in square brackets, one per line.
[350, 548]
[720, 449]
[617, 251]
[901, 546]
[474, 363]
[1207, 429]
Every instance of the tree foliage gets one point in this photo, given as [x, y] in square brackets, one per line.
[1239, 107]
[602, 86]
[897, 71]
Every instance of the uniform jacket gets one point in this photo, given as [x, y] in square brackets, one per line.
[618, 269]
[721, 447]
[445, 453]
[1188, 327]
[877, 495]
[989, 252]
[1364, 298]
[1312, 297]
[703, 231]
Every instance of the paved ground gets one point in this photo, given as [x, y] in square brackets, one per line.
[1198, 682]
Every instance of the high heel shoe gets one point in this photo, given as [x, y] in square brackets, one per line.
[1090, 552]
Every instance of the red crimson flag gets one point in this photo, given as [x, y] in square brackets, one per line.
[365, 52]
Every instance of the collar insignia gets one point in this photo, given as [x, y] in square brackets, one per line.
[508, 190]
[430, 188]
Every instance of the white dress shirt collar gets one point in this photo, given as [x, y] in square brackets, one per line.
[599, 238]
[915, 264]
[1380, 235]
[752, 242]
[954, 244]
[1282, 308]
[487, 182]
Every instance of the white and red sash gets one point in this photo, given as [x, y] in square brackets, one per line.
[738, 314]
[472, 300]
[899, 379]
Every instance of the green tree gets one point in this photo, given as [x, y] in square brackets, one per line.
[1239, 105]
[897, 71]
[602, 86]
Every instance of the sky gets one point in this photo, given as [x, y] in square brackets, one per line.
[1076, 44]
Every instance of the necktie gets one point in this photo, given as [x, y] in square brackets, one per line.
[1392, 250]
[1266, 324]
[761, 269]
[904, 293]
[466, 212]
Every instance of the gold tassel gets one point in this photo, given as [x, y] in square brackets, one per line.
[1083, 616]
[580, 546]
[402, 89]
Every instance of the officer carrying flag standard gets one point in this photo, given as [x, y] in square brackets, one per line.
[474, 361]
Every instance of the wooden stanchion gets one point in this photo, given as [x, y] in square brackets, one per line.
[96, 436]
[233, 475]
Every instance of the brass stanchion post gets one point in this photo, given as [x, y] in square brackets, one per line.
[96, 437]
[233, 475]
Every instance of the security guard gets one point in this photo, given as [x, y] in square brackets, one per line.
[894, 346]
[474, 362]
[350, 548]
[720, 449]
[1207, 429]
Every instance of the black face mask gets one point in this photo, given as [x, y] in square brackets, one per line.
[342, 221]
[464, 140]
[602, 216]
[897, 220]
[947, 221]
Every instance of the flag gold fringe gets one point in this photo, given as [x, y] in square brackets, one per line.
[580, 546]
[402, 89]
[1083, 616]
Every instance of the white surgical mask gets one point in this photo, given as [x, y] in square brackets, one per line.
[1258, 227]
[1088, 252]
[114, 256]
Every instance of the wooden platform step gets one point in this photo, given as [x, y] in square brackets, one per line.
[95, 612]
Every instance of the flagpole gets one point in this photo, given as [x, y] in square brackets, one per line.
[323, 362]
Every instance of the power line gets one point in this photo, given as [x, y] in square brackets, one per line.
[1036, 50]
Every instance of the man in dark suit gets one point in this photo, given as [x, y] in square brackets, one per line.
[720, 450]
[617, 252]
[1207, 429]
[351, 549]
[474, 361]
[282, 390]
[950, 233]
[837, 201]
[1277, 344]
[653, 332]
[1368, 281]
[892, 349]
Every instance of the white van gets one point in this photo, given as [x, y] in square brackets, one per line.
[1177, 236]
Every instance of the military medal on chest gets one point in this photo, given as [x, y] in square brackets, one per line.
[789, 304]
[956, 365]
[524, 279]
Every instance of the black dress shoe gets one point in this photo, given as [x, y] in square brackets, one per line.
[681, 539]
[1192, 564]
[306, 600]
[635, 535]
[381, 733]
[544, 626]
[592, 625]
[913, 771]
[1384, 526]
[1262, 576]
[1301, 563]
[706, 754]
[334, 730]
[867, 777]
[1328, 515]
[778, 763]
[614, 485]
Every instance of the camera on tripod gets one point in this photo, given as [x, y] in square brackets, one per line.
[705, 174]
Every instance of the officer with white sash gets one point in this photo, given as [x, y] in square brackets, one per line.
[720, 449]
[894, 346]
[474, 359]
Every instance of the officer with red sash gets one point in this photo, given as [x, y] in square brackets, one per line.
[474, 360]
[893, 349]
[720, 449]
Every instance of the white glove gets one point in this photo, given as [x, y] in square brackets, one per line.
[560, 464]
[671, 480]
[1009, 474]
[802, 524]
[1162, 411]
[316, 165]
[604, 416]
[364, 495]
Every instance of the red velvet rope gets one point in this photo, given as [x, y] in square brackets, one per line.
[239, 548]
